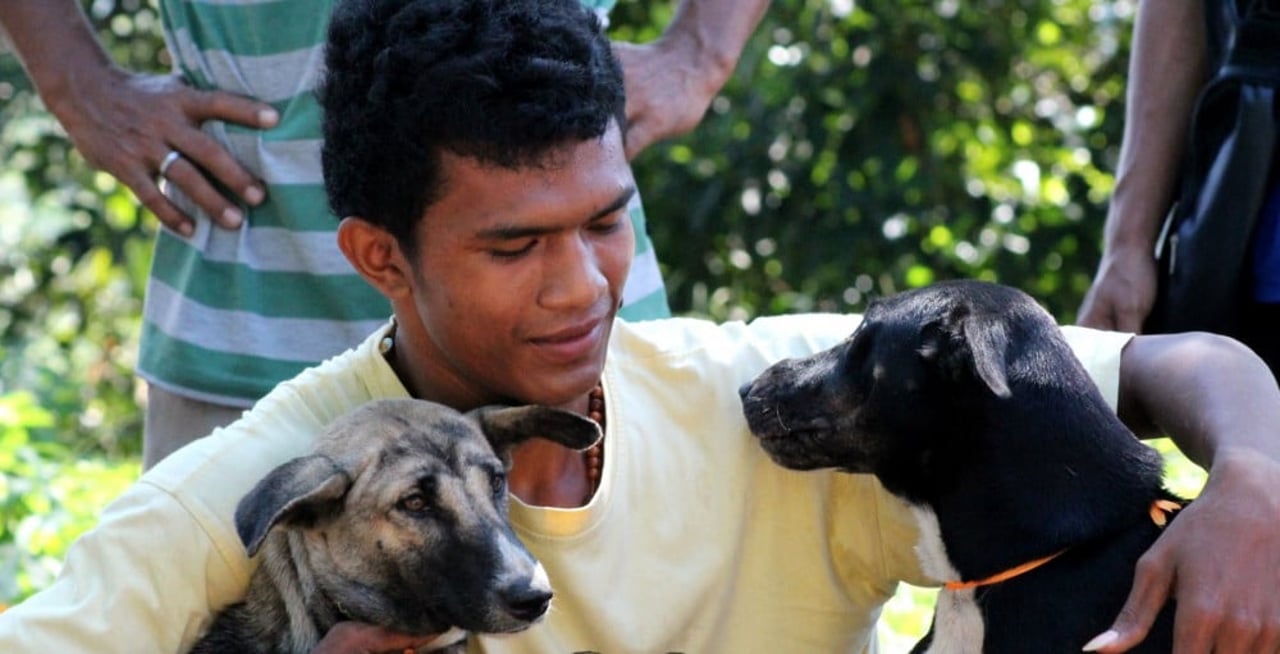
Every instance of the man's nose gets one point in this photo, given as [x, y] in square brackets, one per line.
[574, 277]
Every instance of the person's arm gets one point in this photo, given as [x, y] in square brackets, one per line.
[1167, 68]
[126, 123]
[1219, 558]
[671, 82]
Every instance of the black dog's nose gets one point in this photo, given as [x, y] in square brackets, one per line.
[744, 390]
[526, 603]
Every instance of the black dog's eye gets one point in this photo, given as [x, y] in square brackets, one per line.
[498, 483]
[414, 503]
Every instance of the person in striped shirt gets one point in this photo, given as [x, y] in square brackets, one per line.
[247, 286]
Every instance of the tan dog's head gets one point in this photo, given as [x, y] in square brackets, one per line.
[400, 516]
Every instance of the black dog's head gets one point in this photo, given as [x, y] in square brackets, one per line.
[910, 389]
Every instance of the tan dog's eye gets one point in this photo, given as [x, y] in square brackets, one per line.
[498, 482]
[415, 503]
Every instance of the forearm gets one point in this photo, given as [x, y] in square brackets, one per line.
[33, 27]
[714, 32]
[1210, 394]
[1166, 71]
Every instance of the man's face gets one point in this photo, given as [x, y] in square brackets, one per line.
[520, 273]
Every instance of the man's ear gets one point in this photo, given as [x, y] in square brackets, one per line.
[376, 255]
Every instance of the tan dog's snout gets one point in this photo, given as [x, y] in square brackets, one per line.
[527, 599]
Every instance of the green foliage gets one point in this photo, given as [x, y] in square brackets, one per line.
[47, 496]
[864, 148]
[74, 252]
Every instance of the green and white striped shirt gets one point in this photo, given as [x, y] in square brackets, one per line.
[230, 313]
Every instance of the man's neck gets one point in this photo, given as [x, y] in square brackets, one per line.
[544, 473]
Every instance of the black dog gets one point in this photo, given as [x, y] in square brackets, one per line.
[965, 400]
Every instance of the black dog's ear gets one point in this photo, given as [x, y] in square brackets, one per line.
[965, 344]
[297, 491]
[506, 427]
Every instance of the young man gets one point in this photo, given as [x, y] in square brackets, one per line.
[474, 146]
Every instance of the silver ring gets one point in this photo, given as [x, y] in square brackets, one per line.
[168, 160]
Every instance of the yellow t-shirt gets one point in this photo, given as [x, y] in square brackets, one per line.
[695, 542]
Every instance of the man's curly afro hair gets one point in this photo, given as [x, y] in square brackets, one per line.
[507, 82]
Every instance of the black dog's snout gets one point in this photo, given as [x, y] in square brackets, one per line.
[526, 602]
[744, 390]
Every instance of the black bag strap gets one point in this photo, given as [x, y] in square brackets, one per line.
[1253, 53]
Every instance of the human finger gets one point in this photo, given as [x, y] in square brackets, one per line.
[146, 188]
[212, 156]
[203, 105]
[360, 638]
[192, 180]
[1153, 579]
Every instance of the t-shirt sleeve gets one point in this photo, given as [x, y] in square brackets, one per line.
[146, 579]
[1100, 352]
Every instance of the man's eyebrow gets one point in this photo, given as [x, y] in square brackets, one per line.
[514, 232]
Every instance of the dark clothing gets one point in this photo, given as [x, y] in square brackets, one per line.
[1260, 328]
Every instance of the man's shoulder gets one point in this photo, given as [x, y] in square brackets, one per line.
[784, 335]
[209, 476]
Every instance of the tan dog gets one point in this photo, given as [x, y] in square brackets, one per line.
[398, 519]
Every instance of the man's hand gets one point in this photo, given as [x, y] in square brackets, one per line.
[125, 124]
[667, 94]
[671, 82]
[361, 638]
[1123, 292]
[1220, 561]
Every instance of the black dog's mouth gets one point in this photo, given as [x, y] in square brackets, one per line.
[791, 441]
[796, 450]
[800, 441]
[767, 420]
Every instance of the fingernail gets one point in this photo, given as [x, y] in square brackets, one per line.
[253, 195]
[268, 117]
[232, 218]
[1101, 640]
[185, 228]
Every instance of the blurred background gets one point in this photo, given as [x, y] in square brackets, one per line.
[861, 148]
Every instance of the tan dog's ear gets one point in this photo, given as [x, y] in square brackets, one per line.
[298, 491]
[506, 427]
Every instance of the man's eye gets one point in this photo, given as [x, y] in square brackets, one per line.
[606, 226]
[513, 254]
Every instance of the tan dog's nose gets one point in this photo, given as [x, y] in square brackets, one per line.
[526, 602]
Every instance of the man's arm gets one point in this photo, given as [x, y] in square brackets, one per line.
[1219, 559]
[1167, 68]
[671, 82]
[126, 123]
